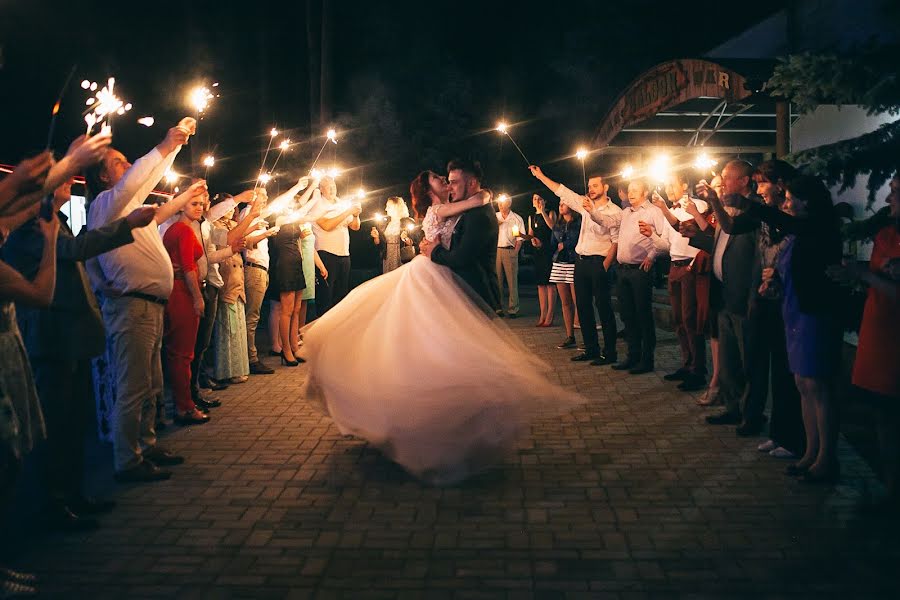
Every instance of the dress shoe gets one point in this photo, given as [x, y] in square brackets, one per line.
[569, 342]
[725, 418]
[161, 456]
[501, 314]
[604, 359]
[274, 352]
[82, 505]
[205, 404]
[625, 366]
[191, 418]
[640, 370]
[679, 375]
[213, 385]
[692, 383]
[61, 518]
[259, 368]
[748, 429]
[584, 357]
[144, 472]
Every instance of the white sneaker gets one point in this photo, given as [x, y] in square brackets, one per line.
[782, 452]
[767, 446]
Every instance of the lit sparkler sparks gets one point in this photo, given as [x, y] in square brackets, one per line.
[503, 128]
[103, 105]
[330, 136]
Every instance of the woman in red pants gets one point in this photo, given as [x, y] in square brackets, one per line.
[183, 310]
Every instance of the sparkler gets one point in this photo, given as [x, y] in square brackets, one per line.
[704, 162]
[503, 128]
[581, 154]
[55, 110]
[330, 136]
[198, 99]
[659, 168]
[627, 172]
[265, 178]
[273, 133]
[103, 105]
[284, 146]
[208, 161]
[146, 121]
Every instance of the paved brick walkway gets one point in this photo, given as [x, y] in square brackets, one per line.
[630, 496]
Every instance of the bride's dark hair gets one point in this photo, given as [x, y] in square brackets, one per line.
[420, 193]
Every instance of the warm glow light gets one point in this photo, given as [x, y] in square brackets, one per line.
[333, 172]
[581, 154]
[147, 121]
[704, 162]
[265, 178]
[410, 227]
[199, 98]
[627, 172]
[502, 198]
[285, 145]
[332, 135]
[171, 176]
[273, 132]
[360, 194]
[659, 168]
[379, 217]
[209, 160]
[316, 174]
[501, 127]
[104, 104]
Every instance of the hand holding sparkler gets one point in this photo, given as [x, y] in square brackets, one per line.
[28, 176]
[177, 136]
[83, 152]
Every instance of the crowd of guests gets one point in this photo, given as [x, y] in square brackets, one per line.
[146, 292]
[755, 267]
[177, 289]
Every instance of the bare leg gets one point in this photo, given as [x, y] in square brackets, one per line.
[551, 303]
[572, 291]
[274, 319]
[810, 423]
[826, 423]
[304, 304]
[284, 325]
[295, 324]
[568, 308]
[542, 301]
[714, 349]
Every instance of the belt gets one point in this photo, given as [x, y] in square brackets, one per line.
[147, 297]
[256, 266]
[682, 263]
[629, 266]
[505, 247]
[591, 257]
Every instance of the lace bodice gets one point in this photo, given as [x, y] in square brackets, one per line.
[435, 227]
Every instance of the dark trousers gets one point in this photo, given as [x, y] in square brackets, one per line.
[770, 357]
[741, 392]
[593, 288]
[683, 293]
[67, 400]
[333, 290]
[204, 334]
[635, 294]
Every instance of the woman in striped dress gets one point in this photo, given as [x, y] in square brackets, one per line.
[564, 240]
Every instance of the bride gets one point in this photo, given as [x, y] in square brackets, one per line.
[465, 387]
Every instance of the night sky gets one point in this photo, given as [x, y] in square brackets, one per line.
[414, 83]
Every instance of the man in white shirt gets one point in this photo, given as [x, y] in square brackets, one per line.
[256, 282]
[137, 280]
[333, 245]
[596, 250]
[688, 286]
[636, 254]
[511, 226]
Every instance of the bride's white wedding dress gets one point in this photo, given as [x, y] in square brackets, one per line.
[411, 363]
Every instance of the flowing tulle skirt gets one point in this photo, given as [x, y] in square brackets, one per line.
[412, 363]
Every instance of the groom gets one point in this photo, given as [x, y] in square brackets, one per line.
[473, 248]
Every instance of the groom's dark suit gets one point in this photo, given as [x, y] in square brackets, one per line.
[473, 253]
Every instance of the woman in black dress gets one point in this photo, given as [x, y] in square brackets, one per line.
[291, 283]
[540, 227]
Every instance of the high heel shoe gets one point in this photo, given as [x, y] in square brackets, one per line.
[288, 363]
